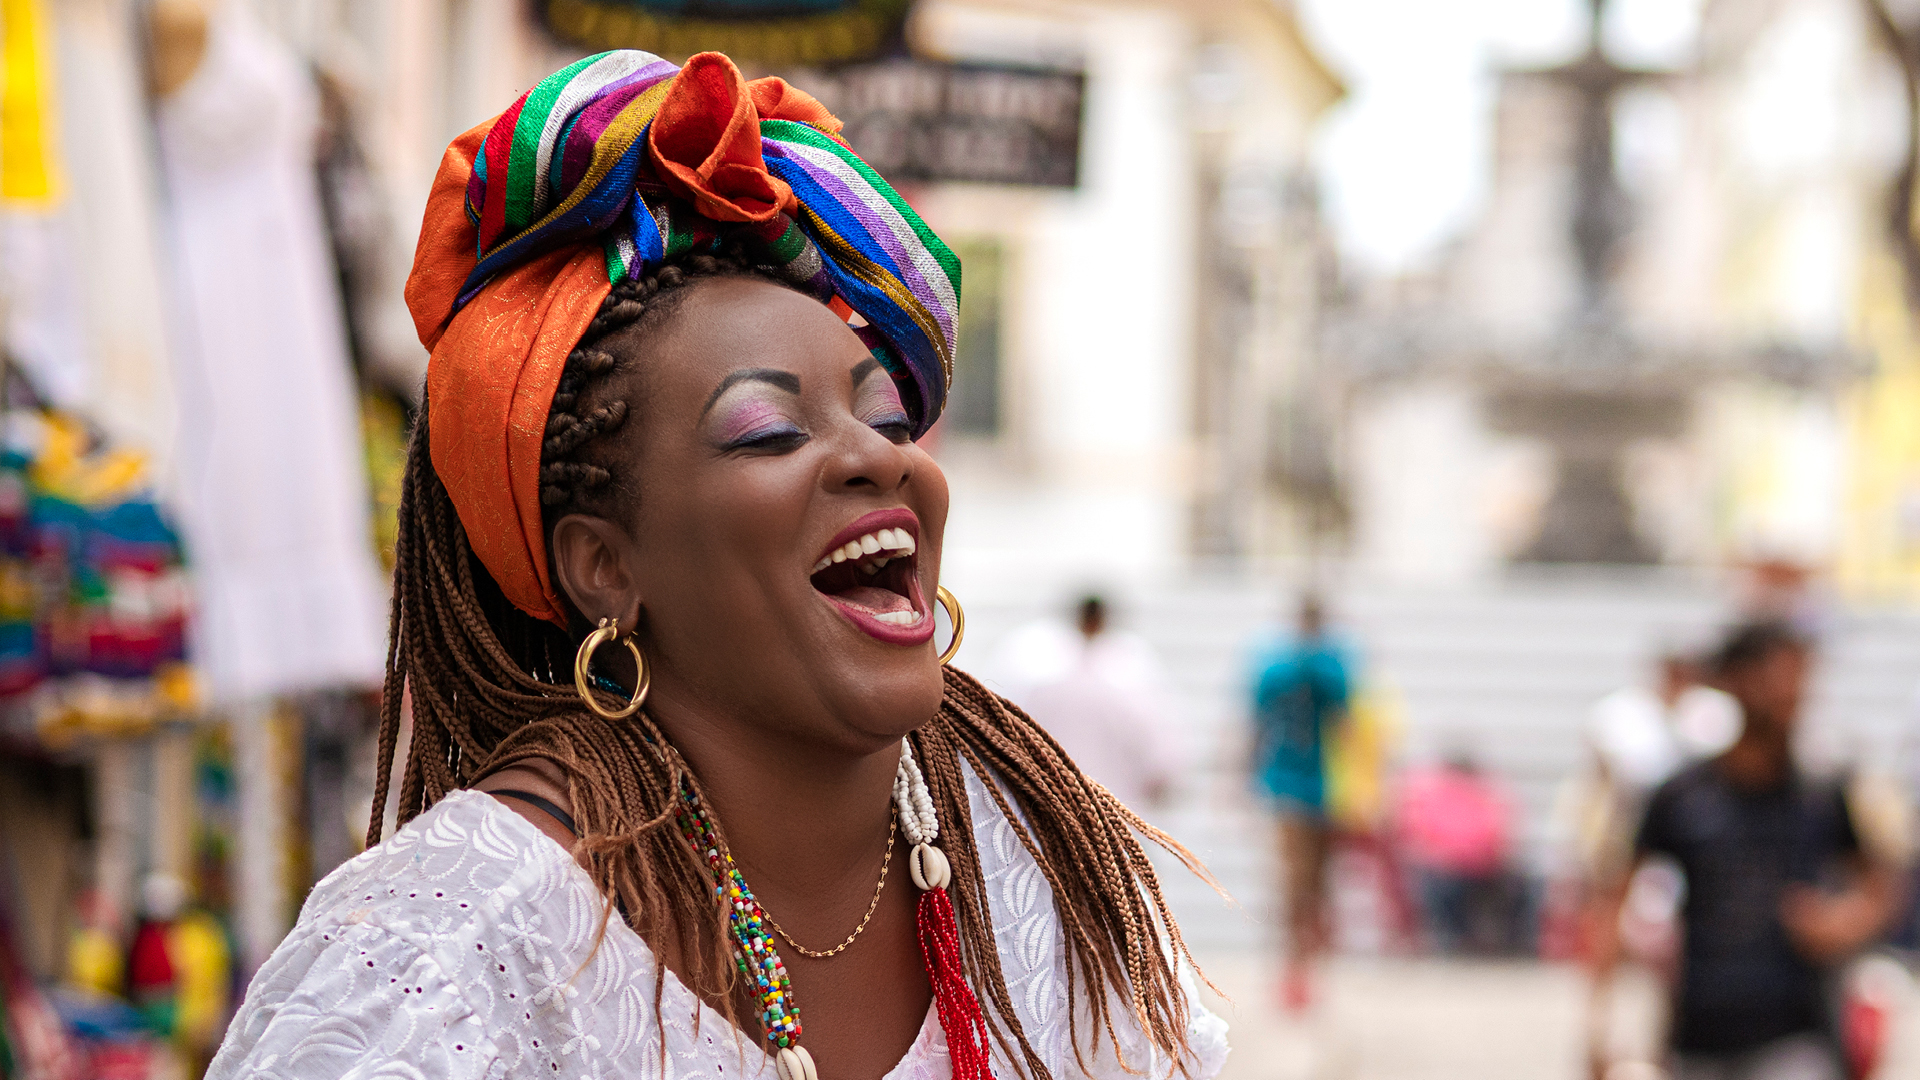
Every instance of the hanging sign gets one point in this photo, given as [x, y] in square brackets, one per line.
[770, 33]
[925, 120]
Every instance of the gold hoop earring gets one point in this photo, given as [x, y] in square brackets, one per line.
[959, 618]
[583, 682]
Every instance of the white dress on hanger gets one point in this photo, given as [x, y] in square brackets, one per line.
[272, 469]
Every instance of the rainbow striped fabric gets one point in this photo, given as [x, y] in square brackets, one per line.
[608, 148]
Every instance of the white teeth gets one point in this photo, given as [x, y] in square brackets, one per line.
[897, 543]
[869, 569]
[899, 618]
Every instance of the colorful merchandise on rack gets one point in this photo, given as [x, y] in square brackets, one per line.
[93, 596]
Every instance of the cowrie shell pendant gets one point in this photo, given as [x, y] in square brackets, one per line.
[929, 867]
[794, 1063]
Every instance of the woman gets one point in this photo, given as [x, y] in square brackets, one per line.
[658, 448]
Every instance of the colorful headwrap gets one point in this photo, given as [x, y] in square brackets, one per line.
[608, 168]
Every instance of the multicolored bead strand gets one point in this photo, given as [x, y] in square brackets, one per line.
[955, 1003]
[757, 959]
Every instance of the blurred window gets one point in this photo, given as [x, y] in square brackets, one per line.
[974, 407]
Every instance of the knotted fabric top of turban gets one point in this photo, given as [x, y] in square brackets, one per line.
[605, 170]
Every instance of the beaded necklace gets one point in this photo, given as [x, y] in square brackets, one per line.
[758, 959]
[755, 957]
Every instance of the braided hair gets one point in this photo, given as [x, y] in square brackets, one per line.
[491, 687]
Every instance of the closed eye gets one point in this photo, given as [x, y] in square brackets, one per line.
[877, 402]
[896, 427]
[779, 440]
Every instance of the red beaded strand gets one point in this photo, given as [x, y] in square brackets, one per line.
[961, 1018]
[953, 999]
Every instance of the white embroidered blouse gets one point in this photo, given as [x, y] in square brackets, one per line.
[451, 950]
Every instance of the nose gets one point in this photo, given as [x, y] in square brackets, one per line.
[866, 460]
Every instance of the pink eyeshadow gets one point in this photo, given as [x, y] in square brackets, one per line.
[749, 416]
[877, 393]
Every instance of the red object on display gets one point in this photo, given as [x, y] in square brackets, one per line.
[39, 1042]
[120, 1061]
[149, 967]
[1865, 1026]
[960, 1015]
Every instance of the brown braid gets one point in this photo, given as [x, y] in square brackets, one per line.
[491, 686]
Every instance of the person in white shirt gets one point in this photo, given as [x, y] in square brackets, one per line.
[1107, 707]
[1643, 734]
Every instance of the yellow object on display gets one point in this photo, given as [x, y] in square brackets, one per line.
[202, 971]
[68, 463]
[95, 962]
[29, 160]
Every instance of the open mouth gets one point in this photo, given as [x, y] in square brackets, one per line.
[869, 573]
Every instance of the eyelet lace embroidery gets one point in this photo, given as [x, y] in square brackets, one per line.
[462, 947]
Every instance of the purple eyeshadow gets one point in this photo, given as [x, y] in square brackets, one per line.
[750, 418]
[879, 402]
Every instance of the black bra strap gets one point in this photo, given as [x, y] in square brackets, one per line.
[528, 797]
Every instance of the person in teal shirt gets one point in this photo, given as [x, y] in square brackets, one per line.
[1300, 693]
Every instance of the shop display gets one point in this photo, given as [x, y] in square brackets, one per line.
[93, 599]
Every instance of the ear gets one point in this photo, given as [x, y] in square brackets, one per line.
[591, 558]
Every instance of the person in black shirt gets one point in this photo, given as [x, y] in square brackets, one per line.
[1779, 888]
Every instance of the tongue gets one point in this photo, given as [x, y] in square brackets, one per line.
[872, 598]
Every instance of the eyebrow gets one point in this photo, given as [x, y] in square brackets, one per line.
[863, 369]
[784, 380]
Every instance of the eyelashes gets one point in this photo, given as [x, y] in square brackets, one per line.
[754, 423]
[779, 438]
[893, 423]
[768, 427]
[776, 437]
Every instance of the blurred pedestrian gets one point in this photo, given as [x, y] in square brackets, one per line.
[1638, 735]
[1105, 708]
[1454, 823]
[1642, 734]
[1360, 811]
[1780, 888]
[1300, 695]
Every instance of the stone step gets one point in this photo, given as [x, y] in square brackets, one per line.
[1509, 668]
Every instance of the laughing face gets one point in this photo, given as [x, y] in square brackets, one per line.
[777, 538]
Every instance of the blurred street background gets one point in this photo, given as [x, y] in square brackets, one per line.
[1536, 341]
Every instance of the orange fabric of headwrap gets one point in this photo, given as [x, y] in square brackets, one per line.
[491, 378]
[560, 184]
[706, 142]
[496, 363]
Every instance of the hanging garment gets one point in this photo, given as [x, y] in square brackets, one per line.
[273, 482]
[118, 370]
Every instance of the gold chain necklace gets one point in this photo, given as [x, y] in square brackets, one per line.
[886, 863]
